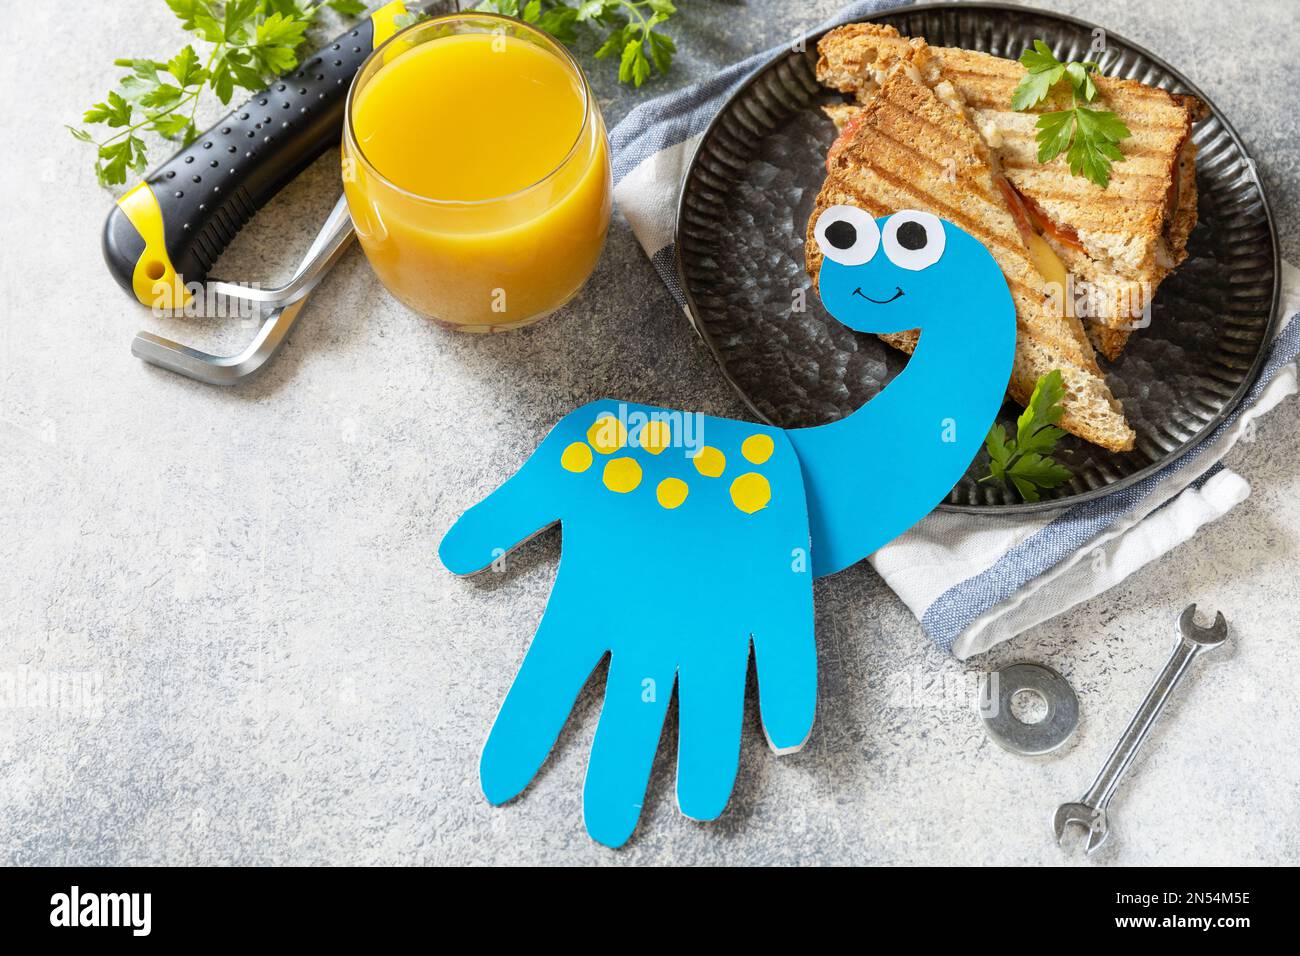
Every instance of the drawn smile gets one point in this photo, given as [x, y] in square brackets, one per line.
[898, 291]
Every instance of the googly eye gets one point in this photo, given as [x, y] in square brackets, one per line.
[847, 235]
[913, 240]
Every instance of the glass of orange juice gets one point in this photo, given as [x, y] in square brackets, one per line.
[476, 169]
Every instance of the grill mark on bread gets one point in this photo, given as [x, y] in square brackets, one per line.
[931, 204]
[985, 98]
[870, 168]
[867, 161]
[1029, 295]
[1065, 195]
[1131, 234]
[871, 145]
[973, 183]
[1116, 178]
[1018, 141]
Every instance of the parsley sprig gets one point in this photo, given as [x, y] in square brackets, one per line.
[629, 28]
[1089, 137]
[252, 41]
[1025, 461]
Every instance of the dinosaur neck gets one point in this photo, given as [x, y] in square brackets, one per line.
[874, 474]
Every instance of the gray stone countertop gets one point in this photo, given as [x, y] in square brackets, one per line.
[263, 662]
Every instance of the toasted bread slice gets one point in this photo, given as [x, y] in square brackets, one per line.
[1122, 240]
[910, 149]
[1111, 295]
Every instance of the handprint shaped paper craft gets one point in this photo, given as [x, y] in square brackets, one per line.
[687, 539]
[670, 565]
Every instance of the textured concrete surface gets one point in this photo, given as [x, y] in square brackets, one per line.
[232, 642]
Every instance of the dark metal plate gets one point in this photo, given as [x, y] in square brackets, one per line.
[751, 187]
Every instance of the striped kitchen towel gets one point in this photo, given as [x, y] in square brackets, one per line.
[974, 581]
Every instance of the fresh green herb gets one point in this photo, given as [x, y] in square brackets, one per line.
[1025, 461]
[404, 20]
[627, 29]
[1089, 137]
[252, 41]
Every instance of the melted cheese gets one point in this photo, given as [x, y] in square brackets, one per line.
[1050, 267]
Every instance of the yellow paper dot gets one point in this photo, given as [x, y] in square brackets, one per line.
[622, 475]
[757, 448]
[751, 492]
[576, 458]
[607, 435]
[710, 462]
[656, 436]
[671, 492]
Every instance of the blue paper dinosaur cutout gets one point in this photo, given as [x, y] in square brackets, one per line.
[686, 537]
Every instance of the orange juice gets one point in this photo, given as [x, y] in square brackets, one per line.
[477, 172]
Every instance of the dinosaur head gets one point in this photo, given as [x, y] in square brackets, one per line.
[911, 270]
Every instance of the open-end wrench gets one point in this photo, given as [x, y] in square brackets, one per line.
[1090, 811]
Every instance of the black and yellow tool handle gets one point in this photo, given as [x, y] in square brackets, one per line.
[169, 229]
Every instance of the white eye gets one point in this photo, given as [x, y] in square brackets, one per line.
[847, 235]
[913, 240]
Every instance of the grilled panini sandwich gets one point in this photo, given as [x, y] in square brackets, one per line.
[1121, 240]
[909, 148]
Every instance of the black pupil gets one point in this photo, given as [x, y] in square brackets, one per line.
[911, 235]
[841, 234]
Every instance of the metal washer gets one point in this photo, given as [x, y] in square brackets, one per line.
[1047, 734]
